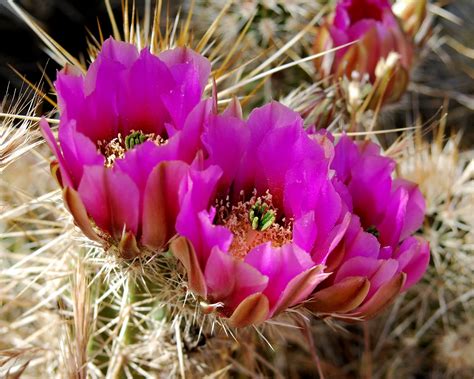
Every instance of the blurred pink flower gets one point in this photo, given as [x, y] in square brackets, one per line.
[382, 47]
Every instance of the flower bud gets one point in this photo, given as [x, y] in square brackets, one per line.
[376, 35]
[411, 13]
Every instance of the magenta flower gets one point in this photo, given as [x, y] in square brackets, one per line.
[378, 257]
[128, 129]
[378, 32]
[261, 220]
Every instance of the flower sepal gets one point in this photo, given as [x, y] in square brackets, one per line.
[340, 298]
[253, 310]
[78, 211]
[376, 36]
[383, 298]
[412, 14]
[184, 251]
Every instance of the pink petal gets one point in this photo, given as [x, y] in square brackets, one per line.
[391, 226]
[262, 121]
[187, 138]
[307, 187]
[413, 256]
[184, 56]
[358, 243]
[370, 188]
[358, 266]
[415, 212]
[111, 199]
[230, 280]
[78, 150]
[70, 90]
[53, 145]
[299, 288]
[190, 71]
[346, 154]
[330, 241]
[234, 109]
[280, 265]
[100, 107]
[161, 203]
[140, 96]
[385, 272]
[194, 221]
[226, 140]
[142, 159]
[305, 231]
[122, 52]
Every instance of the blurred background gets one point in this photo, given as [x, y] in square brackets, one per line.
[67, 21]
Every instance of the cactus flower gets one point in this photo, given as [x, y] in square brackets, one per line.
[128, 130]
[378, 256]
[379, 35]
[258, 224]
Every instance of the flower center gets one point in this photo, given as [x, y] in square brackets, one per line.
[363, 9]
[373, 230]
[117, 147]
[261, 217]
[252, 223]
[134, 139]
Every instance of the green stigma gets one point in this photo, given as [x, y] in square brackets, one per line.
[134, 139]
[373, 230]
[260, 217]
